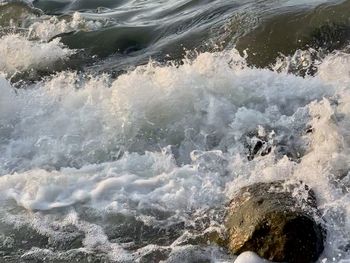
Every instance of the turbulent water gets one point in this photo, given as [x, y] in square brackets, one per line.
[127, 126]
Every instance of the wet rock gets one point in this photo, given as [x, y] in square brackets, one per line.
[279, 221]
[258, 147]
[258, 143]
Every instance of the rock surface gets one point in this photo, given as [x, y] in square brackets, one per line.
[279, 221]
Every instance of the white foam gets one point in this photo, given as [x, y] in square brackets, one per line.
[334, 68]
[63, 141]
[18, 54]
[65, 122]
[49, 26]
[249, 257]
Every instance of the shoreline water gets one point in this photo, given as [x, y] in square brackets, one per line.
[110, 156]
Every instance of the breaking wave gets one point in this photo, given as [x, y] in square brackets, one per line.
[139, 165]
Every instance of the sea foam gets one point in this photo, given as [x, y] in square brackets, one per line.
[18, 54]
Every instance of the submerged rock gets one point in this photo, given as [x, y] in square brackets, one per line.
[278, 221]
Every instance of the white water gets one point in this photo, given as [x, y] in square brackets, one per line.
[94, 146]
[18, 54]
[48, 27]
[249, 257]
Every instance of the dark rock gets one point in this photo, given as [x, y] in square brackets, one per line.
[257, 145]
[278, 221]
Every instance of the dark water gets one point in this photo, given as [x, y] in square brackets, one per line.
[132, 32]
[126, 126]
[266, 28]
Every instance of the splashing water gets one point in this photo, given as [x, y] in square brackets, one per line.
[139, 166]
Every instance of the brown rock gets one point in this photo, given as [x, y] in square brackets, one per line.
[278, 221]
